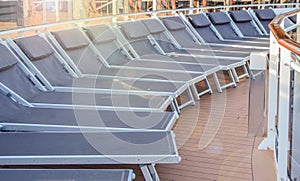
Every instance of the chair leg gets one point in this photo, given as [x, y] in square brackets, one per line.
[217, 83]
[149, 172]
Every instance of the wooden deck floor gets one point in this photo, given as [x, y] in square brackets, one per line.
[213, 141]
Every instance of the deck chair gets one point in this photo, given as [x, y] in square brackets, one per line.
[17, 117]
[168, 47]
[226, 28]
[67, 174]
[200, 25]
[246, 24]
[111, 66]
[93, 148]
[63, 81]
[112, 58]
[15, 77]
[186, 45]
[263, 17]
[130, 34]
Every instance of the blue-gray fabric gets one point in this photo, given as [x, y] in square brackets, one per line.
[219, 18]
[71, 39]
[199, 20]
[7, 59]
[265, 14]
[153, 25]
[134, 30]
[240, 16]
[100, 33]
[172, 24]
[34, 51]
[243, 20]
[293, 18]
[65, 174]
[205, 31]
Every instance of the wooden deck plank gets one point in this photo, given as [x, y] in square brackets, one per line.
[213, 141]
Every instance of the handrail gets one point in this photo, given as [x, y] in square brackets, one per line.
[74, 21]
[281, 36]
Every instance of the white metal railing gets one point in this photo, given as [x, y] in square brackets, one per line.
[284, 99]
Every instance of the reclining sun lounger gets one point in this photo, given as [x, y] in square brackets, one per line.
[62, 81]
[168, 47]
[263, 17]
[16, 77]
[246, 24]
[16, 117]
[92, 148]
[110, 65]
[112, 56]
[223, 24]
[67, 174]
[183, 32]
[150, 52]
[204, 30]
[186, 44]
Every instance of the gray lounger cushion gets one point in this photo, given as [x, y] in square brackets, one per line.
[154, 26]
[7, 60]
[100, 34]
[173, 25]
[265, 14]
[71, 39]
[199, 20]
[34, 51]
[134, 30]
[219, 18]
[66, 174]
[240, 16]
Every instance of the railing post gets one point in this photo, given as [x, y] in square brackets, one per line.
[283, 114]
[268, 143]
[295, 154]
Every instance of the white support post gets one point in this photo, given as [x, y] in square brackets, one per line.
[191, 6]
[295, 167]
[268, 143]
[283, 114]
[154, 5]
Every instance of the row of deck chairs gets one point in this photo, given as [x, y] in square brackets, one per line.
[110, 94]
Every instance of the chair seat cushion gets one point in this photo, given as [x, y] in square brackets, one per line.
[219, 18]
[35, 47]
[265, 14]
[240, 16]
[71, 39]
[173, 25]
[199, 20]
[100, 34]
[134, 30]
[154, 26]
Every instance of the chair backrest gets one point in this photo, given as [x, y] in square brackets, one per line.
[222, 23]
[13, 77]
[265, 16]
[202, 25]
[106, 43]
[137, 35]
[244, 22]
[78, 48]
[43, 57]
[179, 31]
[158, 32]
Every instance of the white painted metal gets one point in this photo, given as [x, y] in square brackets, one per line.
[268, 142]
